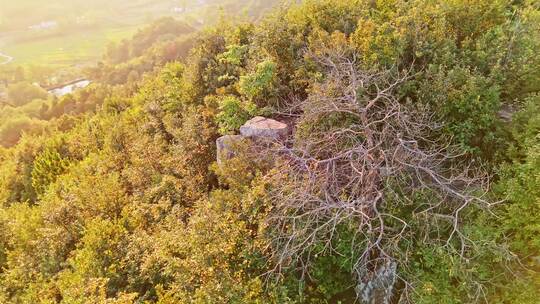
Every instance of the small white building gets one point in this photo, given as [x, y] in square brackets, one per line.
[177, 10]
[45, 25]
[70, 88]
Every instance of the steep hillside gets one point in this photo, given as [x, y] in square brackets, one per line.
[409, 176]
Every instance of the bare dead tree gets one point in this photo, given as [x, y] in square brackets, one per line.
[358, 149]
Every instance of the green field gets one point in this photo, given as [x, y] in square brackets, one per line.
[75, 43]
[71, 43]
[79, 47]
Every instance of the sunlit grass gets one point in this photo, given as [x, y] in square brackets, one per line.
[74, 48]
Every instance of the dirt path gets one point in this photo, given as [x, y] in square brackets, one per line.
[7, 59]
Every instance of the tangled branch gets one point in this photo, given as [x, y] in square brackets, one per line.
[358, 149]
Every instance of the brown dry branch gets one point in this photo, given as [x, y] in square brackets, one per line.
[357, 147]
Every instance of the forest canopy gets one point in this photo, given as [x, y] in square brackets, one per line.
[410, 175]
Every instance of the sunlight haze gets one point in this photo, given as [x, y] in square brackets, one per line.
[269, 151]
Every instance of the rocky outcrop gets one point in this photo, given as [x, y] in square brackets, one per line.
[253, 131]
[266, 128]
[506, 113]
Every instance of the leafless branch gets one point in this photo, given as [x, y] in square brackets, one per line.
[357, 148]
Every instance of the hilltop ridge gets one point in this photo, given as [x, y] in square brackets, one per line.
[386, 175]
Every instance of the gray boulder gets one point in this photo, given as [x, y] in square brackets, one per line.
[264, 128]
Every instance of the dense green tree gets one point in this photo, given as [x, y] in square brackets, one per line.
[23, 92]
[47, 166]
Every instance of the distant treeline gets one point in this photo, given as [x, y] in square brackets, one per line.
[27, 107]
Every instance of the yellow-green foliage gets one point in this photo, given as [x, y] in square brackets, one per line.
[233, 113]
[46, 167]
[259, 82]
[23, 92]
[123, 203]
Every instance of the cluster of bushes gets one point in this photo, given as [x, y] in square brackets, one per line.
[127, 206]
[47, 112]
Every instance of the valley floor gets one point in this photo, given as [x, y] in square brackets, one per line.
[5, 59]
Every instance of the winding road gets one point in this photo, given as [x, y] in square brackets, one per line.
[7, 59]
